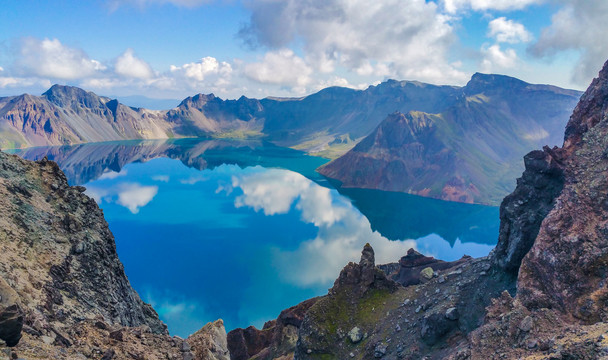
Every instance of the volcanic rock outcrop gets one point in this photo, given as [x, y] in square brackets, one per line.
[567, 267]
[276, 340]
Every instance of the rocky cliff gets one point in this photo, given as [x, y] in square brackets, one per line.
[469, 152]
[63, 290]
[541, 294]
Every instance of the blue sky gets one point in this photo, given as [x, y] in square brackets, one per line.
[258, 48]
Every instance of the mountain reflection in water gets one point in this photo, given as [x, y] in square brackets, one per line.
[240, 230]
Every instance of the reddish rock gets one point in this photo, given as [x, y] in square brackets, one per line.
[277, 338]
[567, 267]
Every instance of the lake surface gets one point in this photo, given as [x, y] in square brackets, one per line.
[241, 230]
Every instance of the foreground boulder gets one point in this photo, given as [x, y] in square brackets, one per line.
[414, 268]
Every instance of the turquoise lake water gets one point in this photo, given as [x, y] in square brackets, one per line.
[241, 230]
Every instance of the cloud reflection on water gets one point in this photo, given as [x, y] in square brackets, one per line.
[342, 229]
[133, 196]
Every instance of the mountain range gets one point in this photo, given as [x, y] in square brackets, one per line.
[447, 142]
[469, 152]
[540, 294]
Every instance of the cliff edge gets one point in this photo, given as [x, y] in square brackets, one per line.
[63, 290]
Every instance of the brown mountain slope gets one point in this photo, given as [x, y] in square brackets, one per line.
[68, 115]
[470, 152]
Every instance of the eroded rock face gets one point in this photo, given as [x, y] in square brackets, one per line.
[567, 267]
[276, 340]
[522, 212]
[58, 254]
[210, 343]
[560, 309]
[396, 322]
[11, 324]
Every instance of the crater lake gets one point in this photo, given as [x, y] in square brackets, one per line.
[241, 230]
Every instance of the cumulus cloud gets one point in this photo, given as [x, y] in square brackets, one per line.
[508, 31]
[260, 191]
[134, 196]
[495, 58]
[104, 83]
[50, 58]
[453, 6]
[282, 67]
[130, 66]
[8, 81]
[98, 194]
[576, 26]
[15, 82]
[203, 69]
[384, 38]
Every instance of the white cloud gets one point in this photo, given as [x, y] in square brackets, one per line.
[98, 194]
[508, 31]
[579, 25]
[50, 58]
[495, 58]
[134, 196]
[104, 83]
[263, 191]
[130, 66]
[14, 82]
[199, 71]
[282, 67]
[8, 81]
[342, 230]
[384, 38]
[112, 174]
[334, 81]
[1, 69]
[193, 180]
[453, 6]
[161, 178]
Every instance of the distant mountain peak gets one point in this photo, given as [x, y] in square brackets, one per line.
[480, 82]
[68, 96]
[197, 100]
[63, 90]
